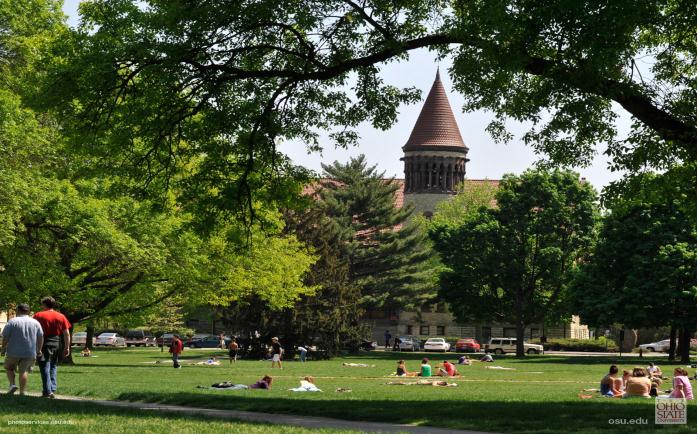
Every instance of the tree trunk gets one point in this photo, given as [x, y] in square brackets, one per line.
[685, 337]
[89, 340]
[672, 347]
[520, 325]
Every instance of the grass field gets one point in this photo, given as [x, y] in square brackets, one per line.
[539, 396]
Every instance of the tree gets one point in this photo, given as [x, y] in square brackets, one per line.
[390, 258]
[238, 77]
[511, 263]
[646, 255]
[470, 197]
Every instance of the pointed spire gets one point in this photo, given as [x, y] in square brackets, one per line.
[436, 125]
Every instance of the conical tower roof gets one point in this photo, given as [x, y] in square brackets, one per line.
[436, 126]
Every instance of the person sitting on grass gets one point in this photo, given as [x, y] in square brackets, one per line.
[655, 385]
[654, 371]
[307, 384]
[464, 360]
[447, 369]
[264, 383]
[681, 384]
[402, 369]
[487, 358]
[610, 385]
[86, 352]
[425, 368]
[625, 377]
[638, 385]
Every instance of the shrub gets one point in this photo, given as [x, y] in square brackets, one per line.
[590, 345]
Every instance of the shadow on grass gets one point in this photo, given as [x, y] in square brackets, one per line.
[583, 416]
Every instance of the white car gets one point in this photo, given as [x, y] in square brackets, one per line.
[659, 346]
[110, 340]
[436, 344]
[508, 345]
[79, 338]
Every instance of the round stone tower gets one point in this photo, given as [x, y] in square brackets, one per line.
[435, 155]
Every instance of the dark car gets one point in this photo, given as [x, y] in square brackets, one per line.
[140, 338]
[209, 342]
[165, 339]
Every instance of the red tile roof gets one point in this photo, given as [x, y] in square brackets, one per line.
[436, 125]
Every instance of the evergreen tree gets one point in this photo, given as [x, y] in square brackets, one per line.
[390, 258]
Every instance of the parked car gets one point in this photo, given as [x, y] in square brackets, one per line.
[436, 344]
[110, 340]
[140, 338]
[165, 339]
[79, 338]
[664, 345]
[209, 342]
[198, 337]
[368, 345]
[467, 345]
[409, 343]
[508, 345]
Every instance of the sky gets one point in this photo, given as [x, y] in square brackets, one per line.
[384, 148]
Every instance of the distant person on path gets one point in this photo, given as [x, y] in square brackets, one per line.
[425, 368]
[22, 340]
[233, 349]
[610, 385]
[176, 348]
[56, 346]
[276, 353]
[681, 384]
[221, 344]
[638, 385]
[303, 353]
[388, 338]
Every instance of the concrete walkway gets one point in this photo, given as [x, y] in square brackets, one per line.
[273, 418]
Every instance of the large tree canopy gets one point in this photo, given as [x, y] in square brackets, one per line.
[151, 84]
[511, 263]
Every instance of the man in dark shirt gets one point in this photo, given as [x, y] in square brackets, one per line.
[388, 337]
[276, 352]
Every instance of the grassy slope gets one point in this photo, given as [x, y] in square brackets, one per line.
[539, 396]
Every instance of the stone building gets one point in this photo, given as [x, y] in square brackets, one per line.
[435, 158]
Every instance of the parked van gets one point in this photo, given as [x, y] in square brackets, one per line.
[508, 345]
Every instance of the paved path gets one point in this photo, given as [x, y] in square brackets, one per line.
[283, 419]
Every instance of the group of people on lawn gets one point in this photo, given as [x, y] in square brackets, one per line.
[644, 383]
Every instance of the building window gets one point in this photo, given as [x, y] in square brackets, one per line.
[426, 308]
[441, 308]
[423, 330]
[440, 330]
[509, 332]
[410, 330]
[428, 214]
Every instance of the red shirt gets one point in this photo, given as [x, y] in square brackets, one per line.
[449, 368]
[176, 347]
[52, 323]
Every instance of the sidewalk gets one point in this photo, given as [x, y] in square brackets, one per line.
[273, 418]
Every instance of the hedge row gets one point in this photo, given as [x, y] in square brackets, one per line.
[591, 345]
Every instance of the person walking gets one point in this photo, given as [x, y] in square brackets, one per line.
[176, 348]
[22, 339]
[388, 337]
[221, 343]
[303, 353]
[56, 328]
[276, 353]
[233, 348]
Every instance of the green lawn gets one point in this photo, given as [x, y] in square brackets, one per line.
[36, 415]
[540, 395]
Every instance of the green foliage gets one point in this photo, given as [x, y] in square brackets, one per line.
[600, 344]
[150, 87]
[646, 255]
[390, 258]
[511, 263]
[470, 197]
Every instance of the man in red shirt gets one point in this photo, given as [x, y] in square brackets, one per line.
[176, 348]
[56, 328]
